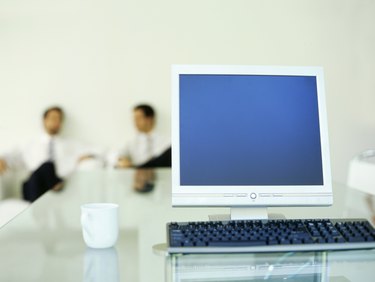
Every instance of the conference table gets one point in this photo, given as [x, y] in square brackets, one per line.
[44, 242]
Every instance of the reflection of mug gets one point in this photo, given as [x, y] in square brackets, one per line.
[101, 265]
[99, 224]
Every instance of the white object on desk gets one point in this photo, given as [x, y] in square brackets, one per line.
[361, 174]
[100, 224]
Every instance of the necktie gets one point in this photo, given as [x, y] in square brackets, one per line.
[51, 153]
[149, 151]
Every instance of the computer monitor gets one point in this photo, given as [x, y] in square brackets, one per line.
[249, 137]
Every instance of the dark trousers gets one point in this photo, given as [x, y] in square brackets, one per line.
[163, 160]
[40, 181]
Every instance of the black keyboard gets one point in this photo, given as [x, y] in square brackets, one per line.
[270, 235]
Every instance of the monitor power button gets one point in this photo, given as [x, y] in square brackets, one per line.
[253, 196]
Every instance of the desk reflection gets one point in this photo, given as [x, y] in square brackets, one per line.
[101, 265]
[311, 266]
[292, 266]
[144, 180]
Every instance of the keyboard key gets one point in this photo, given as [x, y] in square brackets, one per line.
[236, 243]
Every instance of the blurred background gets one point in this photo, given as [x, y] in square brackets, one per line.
[97, 59]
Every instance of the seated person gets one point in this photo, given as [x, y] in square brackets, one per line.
[147, 148]
[48, 158]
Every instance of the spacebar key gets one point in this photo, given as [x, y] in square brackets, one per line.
[236, 243]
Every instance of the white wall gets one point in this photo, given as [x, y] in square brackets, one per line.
[99, 58]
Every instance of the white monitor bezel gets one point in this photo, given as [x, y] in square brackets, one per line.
[250, 196]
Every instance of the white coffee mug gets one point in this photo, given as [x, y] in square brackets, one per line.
[99, 224]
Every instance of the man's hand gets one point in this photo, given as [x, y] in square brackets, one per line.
[123, 163]
[85, 157]
[3, 166]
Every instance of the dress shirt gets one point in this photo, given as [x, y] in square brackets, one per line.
[144, 147]
[38, 151]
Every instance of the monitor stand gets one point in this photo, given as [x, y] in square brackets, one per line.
[239, 213]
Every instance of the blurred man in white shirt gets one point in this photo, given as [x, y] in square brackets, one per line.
[147, 146]
[48, 158]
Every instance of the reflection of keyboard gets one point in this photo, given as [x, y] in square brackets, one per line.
[294, 266]
[270, 235]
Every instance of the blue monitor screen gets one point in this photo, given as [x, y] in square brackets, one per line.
[249, 130]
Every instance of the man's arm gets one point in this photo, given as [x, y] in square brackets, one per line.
[86, 157]
[123, 159]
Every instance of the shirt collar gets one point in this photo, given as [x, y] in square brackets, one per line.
[145, 135]
[45, 137]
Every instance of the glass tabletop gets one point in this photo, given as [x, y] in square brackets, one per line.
[44, 243]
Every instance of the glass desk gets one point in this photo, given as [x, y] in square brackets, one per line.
[44, 243]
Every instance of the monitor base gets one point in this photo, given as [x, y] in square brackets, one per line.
[246, 213]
